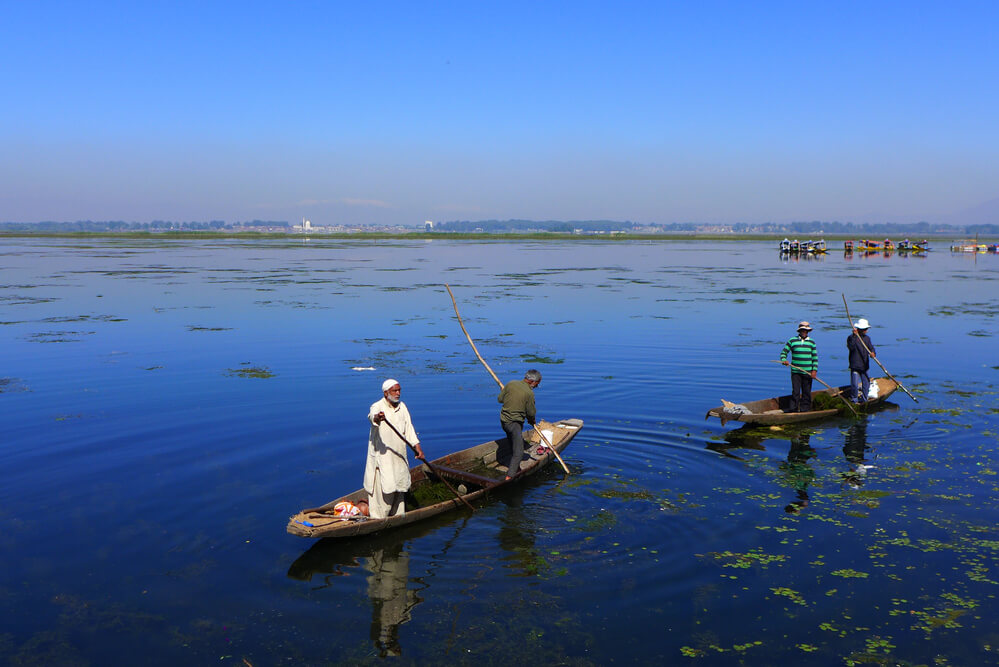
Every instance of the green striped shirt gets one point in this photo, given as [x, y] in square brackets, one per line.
[803, 355]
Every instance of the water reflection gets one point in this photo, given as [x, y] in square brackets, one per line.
[855, 450]
[797, 473]
[391, 599]
[385, 561]
[517, 535]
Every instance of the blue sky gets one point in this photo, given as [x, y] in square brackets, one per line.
[385, 113]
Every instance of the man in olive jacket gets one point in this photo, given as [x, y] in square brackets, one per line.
[517, 398]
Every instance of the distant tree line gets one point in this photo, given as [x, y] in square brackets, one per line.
[121, 226]
[501, 226]
[557, 226]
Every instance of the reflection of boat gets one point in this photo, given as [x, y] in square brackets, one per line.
[772, 410]
[384, 560]
[476, 469]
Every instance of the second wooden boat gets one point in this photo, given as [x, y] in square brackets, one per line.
[826, 403]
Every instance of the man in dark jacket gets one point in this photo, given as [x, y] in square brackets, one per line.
[517, 398]
[861, 350]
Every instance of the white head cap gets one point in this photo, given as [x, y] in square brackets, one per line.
[388, 384]
[862, 324]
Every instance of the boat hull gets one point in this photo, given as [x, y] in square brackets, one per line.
[769, 411]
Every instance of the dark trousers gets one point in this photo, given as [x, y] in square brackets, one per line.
[801, 392]
[515, 432]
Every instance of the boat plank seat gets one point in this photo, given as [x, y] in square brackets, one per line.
[464, 476]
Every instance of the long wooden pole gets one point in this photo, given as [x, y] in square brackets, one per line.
[476, 350]
[836, 390]
[470, 341]
[878, 361]
[430, 465]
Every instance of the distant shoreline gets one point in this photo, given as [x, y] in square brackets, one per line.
[468, 236]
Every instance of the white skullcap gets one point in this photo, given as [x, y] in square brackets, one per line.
[388, 384]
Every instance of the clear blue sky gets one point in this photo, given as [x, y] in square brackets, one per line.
[350, 112]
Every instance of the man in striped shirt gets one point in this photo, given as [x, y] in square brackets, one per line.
[804, 363]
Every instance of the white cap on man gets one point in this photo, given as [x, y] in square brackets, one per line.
[862, 324]
[388, 384]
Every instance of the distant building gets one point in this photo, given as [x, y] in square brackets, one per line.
[428, 225]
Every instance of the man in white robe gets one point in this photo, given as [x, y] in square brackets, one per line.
[386, 475]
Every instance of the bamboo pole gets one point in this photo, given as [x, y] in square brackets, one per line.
[878, 361]
[476, 350]
[470, 341]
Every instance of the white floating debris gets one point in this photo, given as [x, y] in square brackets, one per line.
[362, 368]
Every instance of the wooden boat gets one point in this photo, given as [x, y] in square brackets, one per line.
[772, 410]
[969, 245]
[474, 472]
[817, 247]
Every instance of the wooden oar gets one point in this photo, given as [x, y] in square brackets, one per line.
[876, 360]
[476, 350]
[836, 390]
[429, 465]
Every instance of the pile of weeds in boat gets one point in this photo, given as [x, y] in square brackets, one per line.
[431, 493]
[827, 402]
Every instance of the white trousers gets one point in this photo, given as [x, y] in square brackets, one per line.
[383, 505]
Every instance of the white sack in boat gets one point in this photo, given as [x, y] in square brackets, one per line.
[873, 391]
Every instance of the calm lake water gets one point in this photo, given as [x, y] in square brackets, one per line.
[167, 404]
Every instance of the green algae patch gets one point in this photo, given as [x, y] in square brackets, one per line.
[789, 593]
[746, 560]
[535, 359]
[850, 574]
[248, 371]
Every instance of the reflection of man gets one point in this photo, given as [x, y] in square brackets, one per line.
[797, 473]
[805, 360]
[854, 449]
[517, 398]
[391, 600]
[386, 474]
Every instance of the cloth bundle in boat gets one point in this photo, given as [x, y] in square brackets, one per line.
[735, 408]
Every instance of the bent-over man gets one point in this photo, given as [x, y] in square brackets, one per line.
[517, 398]
[804, 364]
[386, 474]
